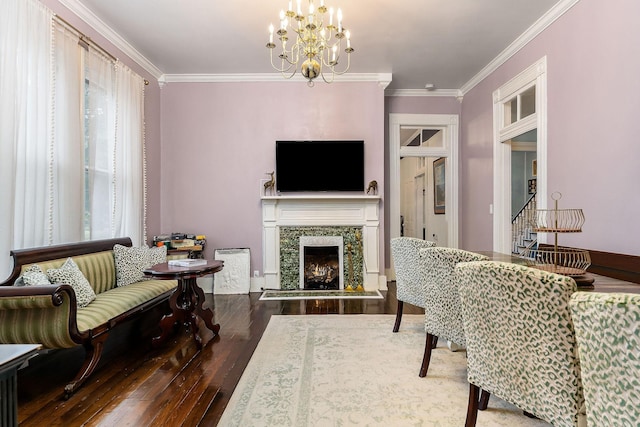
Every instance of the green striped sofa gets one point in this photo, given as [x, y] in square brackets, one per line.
[48, 315]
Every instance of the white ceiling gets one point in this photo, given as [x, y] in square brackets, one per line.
[444, 42]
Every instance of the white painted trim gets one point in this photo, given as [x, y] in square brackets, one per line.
[540, 25]
[535, 74]
[449, 123]
[108, 33]
[423, 92]
[384, 79]
[337, 241]
[321, 210]
[80, 10]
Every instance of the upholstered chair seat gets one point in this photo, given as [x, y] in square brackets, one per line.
[409, 273]
[521, 343]
[608, 336]
[442, 308]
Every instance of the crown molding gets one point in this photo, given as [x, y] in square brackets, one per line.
[424, 92]
[540, 25]
[383, 79]
[82, 12]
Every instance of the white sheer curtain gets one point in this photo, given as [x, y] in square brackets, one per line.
[25, 127]
[50, 194]
[129, 209]
[68, 141]
[100, 121]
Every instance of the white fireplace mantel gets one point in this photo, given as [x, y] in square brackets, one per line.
[321, 210]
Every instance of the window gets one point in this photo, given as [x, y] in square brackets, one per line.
[520, 106]
[61, 148]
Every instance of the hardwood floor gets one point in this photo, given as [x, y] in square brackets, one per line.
[173, 385]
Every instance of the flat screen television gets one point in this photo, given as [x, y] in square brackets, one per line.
[328, 166]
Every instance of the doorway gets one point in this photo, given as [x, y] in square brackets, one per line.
[418, 143]
[519, 113]
[421, 213]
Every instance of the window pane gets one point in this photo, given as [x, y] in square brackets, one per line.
[432, 138]
[528, 102]
[511, 111]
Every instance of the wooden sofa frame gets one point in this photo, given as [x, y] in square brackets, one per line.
[92, 340]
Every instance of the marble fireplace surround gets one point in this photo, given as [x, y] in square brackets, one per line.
[301, 211]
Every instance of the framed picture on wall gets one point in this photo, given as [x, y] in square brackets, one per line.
[439, 186]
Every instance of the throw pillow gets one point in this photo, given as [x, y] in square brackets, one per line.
[34, 276]
[70, 274]
[131, 262]
[157, 255]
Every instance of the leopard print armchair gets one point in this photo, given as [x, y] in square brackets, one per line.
[409, 273]
[443, 312]
[521, 344]
[608, 338]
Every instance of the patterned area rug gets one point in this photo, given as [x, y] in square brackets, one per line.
[351, 370]
[283, 295]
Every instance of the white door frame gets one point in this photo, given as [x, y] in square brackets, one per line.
[536, 75]
[448, 123]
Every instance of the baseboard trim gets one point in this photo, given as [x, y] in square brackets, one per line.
[618, 266]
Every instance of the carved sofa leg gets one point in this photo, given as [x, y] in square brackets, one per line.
[93, 353]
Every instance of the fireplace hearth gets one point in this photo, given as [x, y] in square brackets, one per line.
[321, 263]
[321, 267]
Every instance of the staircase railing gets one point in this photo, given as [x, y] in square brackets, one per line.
[522, 235]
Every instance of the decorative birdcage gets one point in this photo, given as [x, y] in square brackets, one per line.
[558, 259]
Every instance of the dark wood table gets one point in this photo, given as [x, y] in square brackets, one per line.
[12, 356]
[186, 301]
[599, 283]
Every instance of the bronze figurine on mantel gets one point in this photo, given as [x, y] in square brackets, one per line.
[270, 185]
[372, 187]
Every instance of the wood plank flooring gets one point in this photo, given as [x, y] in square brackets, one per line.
[173, 385]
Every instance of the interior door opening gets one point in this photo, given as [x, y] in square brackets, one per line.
[417, 144]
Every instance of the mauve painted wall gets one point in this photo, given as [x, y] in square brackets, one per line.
[218, 142]
[593, 70]
[593, 106]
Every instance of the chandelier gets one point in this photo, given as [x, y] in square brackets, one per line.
[317, 46]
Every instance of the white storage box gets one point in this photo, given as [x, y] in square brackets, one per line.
[235, 277]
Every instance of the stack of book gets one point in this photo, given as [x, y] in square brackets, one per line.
[187, 262]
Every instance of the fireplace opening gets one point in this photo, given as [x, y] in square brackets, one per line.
[321, 267]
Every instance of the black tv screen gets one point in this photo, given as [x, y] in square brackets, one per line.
[319, 166]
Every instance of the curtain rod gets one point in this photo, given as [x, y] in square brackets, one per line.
[86, 40]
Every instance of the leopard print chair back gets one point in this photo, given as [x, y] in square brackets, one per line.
[409, 272]
[521, 343]
[609, 346]
[442, 312]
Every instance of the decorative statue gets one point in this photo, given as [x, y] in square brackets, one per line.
[270, 185]
[373, 187]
